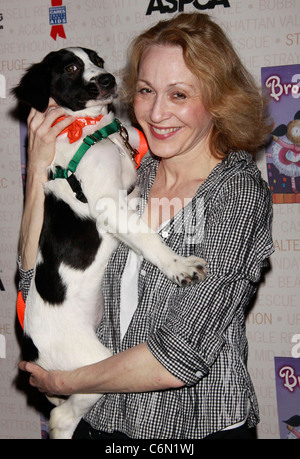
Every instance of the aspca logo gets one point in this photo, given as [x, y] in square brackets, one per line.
[171, 6]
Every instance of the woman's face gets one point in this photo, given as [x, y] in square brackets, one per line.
[168, 105]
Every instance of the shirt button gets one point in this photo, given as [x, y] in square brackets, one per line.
[198, 374]
[165, 234]
[143, 272]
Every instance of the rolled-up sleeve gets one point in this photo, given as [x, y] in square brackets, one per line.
[236, 244]
[25, 278]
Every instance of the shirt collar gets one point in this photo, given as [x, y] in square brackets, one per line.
[234, 160]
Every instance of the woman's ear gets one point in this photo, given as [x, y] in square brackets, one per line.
[34, 87]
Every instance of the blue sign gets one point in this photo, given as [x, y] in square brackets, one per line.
[57, 15]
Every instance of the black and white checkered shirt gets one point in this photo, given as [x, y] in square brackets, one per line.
[197, 333]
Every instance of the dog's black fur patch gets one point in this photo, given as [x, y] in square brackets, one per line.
[66, 238]
[29, 351]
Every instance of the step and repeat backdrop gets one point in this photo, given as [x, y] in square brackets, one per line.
[266, 33]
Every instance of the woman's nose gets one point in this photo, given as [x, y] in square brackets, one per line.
[159, 110]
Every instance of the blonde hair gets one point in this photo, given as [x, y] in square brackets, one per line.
[228, 91]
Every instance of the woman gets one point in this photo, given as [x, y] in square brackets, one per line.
[179, 363]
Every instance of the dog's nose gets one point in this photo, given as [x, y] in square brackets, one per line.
[107, 81]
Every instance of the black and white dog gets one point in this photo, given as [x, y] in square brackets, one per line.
[82, 220]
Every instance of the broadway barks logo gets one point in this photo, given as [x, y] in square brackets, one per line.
[57, 19]
[172, 6]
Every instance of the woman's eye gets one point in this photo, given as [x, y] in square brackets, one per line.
[144, 91]
[71, 68]
[179, 95]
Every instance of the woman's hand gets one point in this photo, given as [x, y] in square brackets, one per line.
[42, 136]
[49, 382]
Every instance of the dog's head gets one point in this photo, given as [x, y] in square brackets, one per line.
[74, 77]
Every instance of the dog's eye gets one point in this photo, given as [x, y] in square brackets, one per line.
[71, 68]
[100, 63]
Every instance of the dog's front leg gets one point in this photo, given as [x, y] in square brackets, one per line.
[117, 218]
[65, 417]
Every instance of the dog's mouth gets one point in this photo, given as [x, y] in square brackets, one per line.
[92, 91]
[96, 92]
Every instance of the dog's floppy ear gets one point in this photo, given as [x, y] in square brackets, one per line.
[34, 87]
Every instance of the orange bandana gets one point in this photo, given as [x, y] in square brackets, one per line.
[74, 131]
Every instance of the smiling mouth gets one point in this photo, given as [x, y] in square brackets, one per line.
[163, 132]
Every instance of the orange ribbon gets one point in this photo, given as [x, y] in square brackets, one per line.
[75, 129]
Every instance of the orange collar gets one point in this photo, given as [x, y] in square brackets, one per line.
[74, 131]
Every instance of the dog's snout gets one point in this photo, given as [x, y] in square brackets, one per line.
[107, 81]
[102, 86]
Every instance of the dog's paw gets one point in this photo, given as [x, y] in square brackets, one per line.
[62, 422]
[188, 271]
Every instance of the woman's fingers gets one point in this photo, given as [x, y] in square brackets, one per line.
[37, 374]
[42, 133]
[48, 382]
[45, 120]
[31, 116]
[24, 366]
